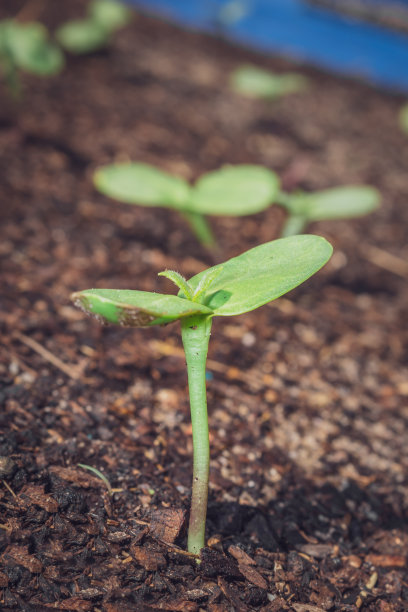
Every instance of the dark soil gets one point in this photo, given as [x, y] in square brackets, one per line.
[307, 396]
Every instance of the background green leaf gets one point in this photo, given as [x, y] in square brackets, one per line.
[235, 190]
[340, 202]
[109, 14]
[403, 118]
[82, 36]
[135, 308]
[138, 183]
[257, 83]
[27, 45]
[264, 273]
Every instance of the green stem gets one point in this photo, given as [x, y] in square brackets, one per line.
[195, 333]
[200, 227]
[282, 198]
[294, 224]
[12, 78]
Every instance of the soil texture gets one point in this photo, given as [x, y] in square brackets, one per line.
[307, 396]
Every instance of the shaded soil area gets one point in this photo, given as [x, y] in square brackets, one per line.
[307, 396]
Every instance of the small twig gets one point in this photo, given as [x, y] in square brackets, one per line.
[69, 370]
[9, 489]
[180, 551]
[387, 261]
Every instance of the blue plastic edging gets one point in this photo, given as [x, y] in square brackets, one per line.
[303, 32]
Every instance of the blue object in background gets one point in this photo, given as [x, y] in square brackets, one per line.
[300, 31]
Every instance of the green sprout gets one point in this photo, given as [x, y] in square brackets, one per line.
[337, 203]
[237, 286]
[258, 83]
[93, 32]
[98, 473]
[26, 47]
[231, 190]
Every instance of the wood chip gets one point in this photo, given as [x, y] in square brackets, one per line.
[166, 524]
[318, 551]
[3, 580]
[387, 560]
[175, 605]
[240, 555]
[77, 476]
[72, 603]
[252, 575]
[232, 596]
[307, 608]
[20, 555]
[194, 594]
[149, 559]
[118, 536]
[35, 495]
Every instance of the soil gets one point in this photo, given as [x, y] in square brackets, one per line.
[307, 396]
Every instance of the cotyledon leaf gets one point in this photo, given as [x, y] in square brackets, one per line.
[139, 183]
[258, 83]
[263, 273]
[341, 202]
[29, 46]
[135, 308]
[235, 190]
[82, 36]
[110, 14]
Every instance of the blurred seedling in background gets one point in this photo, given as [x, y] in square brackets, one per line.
[231, 191]
[403, 118]
[26, 47]
[337, 203]
[229, 13]
[104, 17]
[258, 83]
[237, 286]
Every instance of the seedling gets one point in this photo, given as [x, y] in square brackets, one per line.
[403, 118]
[257, 83]
[232, 190]
[337, 203]
[99, 474]
[239, 285]
[95, 31]
[26, 47]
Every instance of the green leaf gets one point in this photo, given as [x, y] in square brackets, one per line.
[258, 83]
[138, 183]
[206, 280]
[82, 36]
[179, 281]
[235, 190]
[294, 224]
[403, 118]
[135, 308]
[263, 274]
[109, 14]
[340, 202]
[27, 45]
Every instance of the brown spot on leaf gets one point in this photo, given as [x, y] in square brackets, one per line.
[134, 317]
